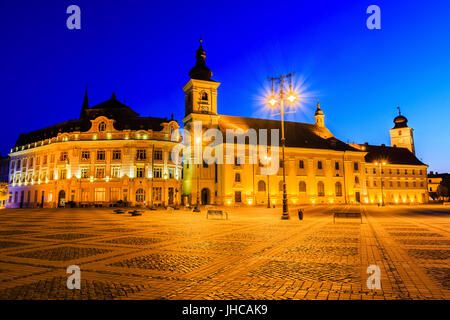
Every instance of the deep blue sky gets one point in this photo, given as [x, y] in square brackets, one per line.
[143, 51]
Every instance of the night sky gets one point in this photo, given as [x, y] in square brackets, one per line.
[143, 50]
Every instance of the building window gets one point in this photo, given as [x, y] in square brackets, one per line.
[85, 155]
[355, 166]
[336, 165]
[374, 183]
[203, 96]
[140, 195]
[406, 171]
[115, 194]
[115, 172]
[414, 172]
[374, 171]
[99, 194]
[171, 173]
[30, 163]
[319, 165]
[320, 189]
[399, 184]
[338, 189]
[100, 172]
[157, 191]
[157, 172]
[45, 160]
[390, 184]
[63, 156]
[101, 155]
[261, 186]
[116, 155]
[63, 174]
[140, 172]
[205, 165]
[237, 161]
[406, 184]
[84, 173]
[301, 164]
[302, 186]
[102, 126]
[157, 154]
[140, 154]
[414, 184]
[356, 180]
[237, 177]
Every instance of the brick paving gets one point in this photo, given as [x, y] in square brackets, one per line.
[253, 255]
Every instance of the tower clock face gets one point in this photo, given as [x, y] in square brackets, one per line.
[203, 108]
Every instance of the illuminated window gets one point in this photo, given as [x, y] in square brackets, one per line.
[171, 173]
[115, 172]
[157, 192]
[45, 160]
[140, 172]
[63, 156]
[85, 155]
[99, 194]
[140, 195]
[157, 172]
[63, 174]
[100, 172]
[84, 173]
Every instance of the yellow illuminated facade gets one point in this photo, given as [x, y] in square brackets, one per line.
[102, 166]
[320, 169]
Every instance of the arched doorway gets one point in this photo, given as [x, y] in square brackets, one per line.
[206, 197]
[61, 198]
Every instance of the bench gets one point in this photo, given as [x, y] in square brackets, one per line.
[347, 214]
[214, 212]
[119, 211]
[135, 213]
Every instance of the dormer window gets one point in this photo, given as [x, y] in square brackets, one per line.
[102, 127]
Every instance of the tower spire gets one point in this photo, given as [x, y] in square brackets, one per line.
[399, 113]
[85, 105]
[200, 71]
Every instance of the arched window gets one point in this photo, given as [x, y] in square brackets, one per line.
[338, 189]
[320, 189]
[203, 96]
[261, 186]
[302, 186]
[280, 186]
[102, 126]
[237, 177]
[140, 195]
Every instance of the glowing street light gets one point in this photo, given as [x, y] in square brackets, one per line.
[281, 80]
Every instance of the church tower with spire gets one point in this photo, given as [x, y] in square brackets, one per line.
[200, 92]
[85, 105]
[319, 116]
[401, 134]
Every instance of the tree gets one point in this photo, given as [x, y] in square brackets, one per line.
[4, 195]
[442, 191]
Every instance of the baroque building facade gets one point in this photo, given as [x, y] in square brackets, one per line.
[109, 156]
[319, 167]
[112, 155]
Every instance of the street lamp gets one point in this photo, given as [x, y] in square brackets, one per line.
[268, 183]
[291, 97]
[197, 209]
[380, 165]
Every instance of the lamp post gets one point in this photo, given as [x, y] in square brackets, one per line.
[268, 185]
[197, 209]
[281, 80]
[380, 164]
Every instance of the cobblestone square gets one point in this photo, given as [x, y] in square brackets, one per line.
[254, 255]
